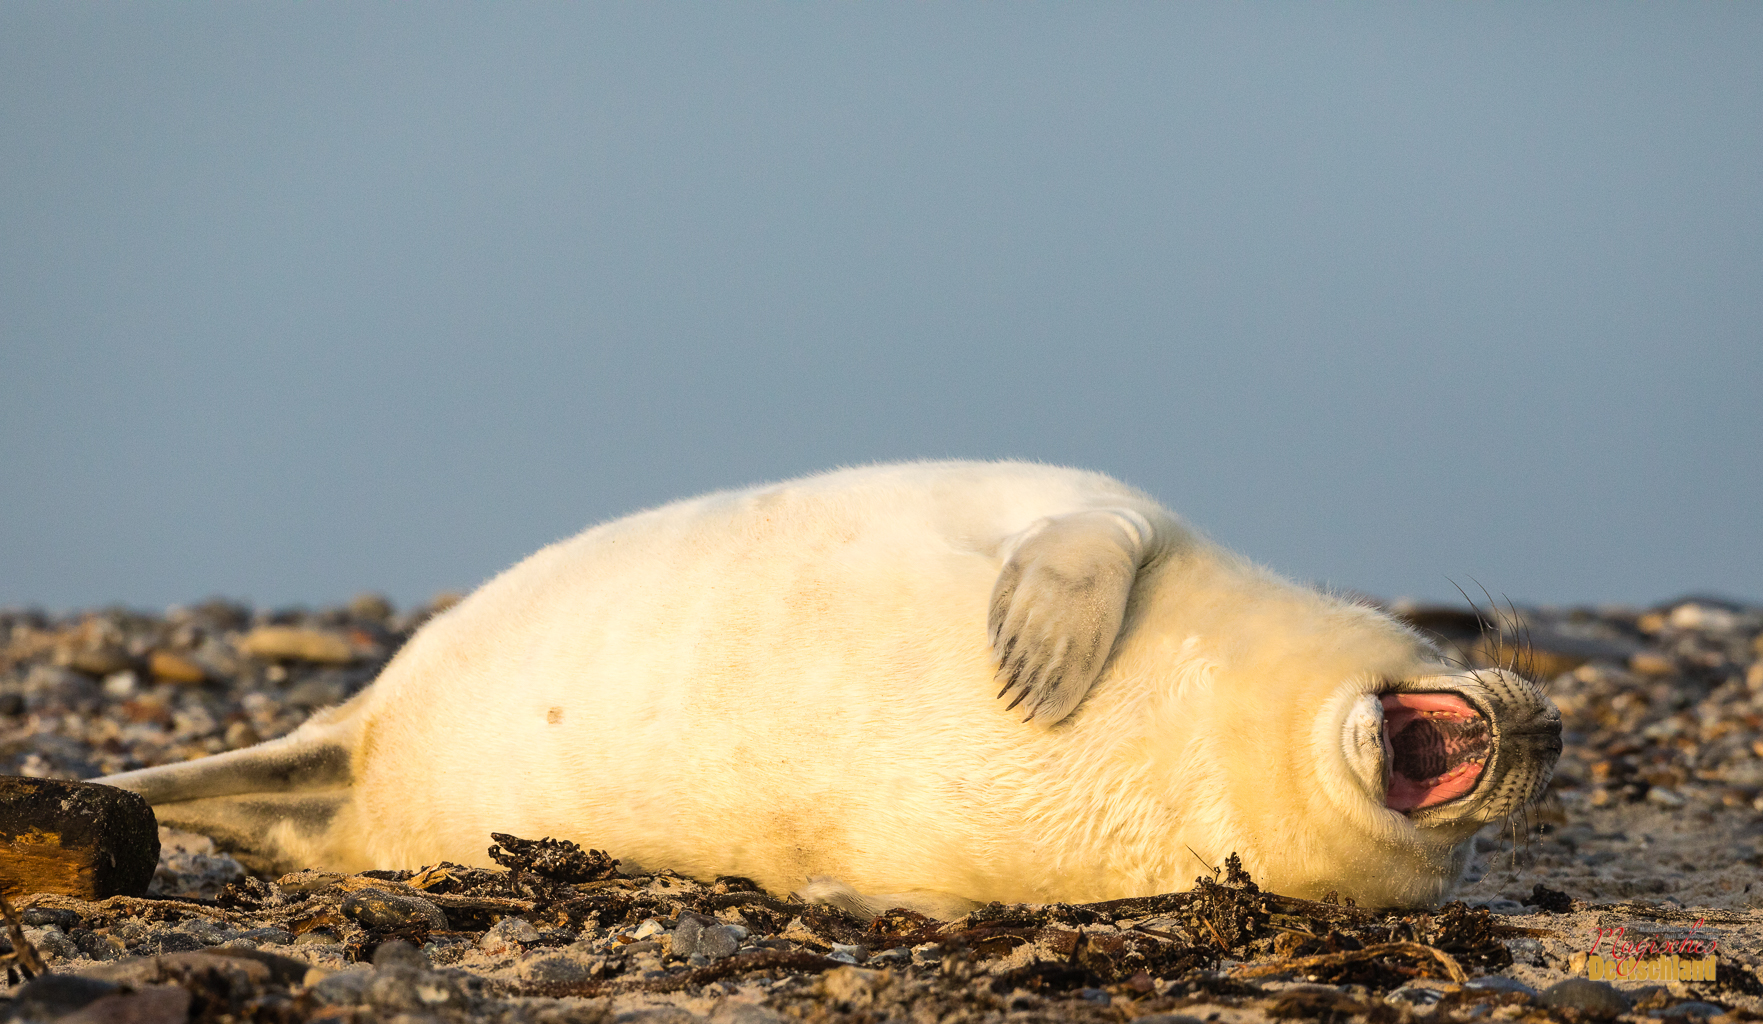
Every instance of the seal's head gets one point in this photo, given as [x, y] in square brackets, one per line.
[1453, 751]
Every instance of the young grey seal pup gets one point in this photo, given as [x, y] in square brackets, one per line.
[926, 685]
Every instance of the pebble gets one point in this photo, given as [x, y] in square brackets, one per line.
[155, 1004]
[52, 943]
[720, 941]
[854, 985]
[398, 953]
[857, 953]
[1595, 998]
[509, 936]
[685, 936]
[402, 988]
[1498, 983]
[556, 969]
[66, 920]
[345, 988]
[293, 643]
[1664, 797]
[54, 994]
[1417, 995]
[175, 668]
[1690, 1009]
[380, 908]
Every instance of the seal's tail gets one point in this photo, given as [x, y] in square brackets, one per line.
[273, 805]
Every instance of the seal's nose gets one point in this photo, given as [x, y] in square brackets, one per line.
[1540, 730]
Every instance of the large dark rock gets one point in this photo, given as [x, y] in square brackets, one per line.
[75, 839]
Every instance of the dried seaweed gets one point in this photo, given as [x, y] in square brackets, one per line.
[556, 859]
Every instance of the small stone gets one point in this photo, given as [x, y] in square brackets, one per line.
[1499, 983]
[1703, 618]
[1651, 663]
[294, 643]
[209, 933]
[1168, 1018]
[100, 661]
[156, 1004]
[398, 953]
[854, 985]
[322, 691]
[686, 935]
[1692, 1009]
[1505, 906]
[721, 941]
[848, 953]
[240, 735]
[648, 929]
[555, 971]
[51, 995]
[1664, 797]
[345, 988]
[511, 935]
[189, 865]
[1095, 995]
[370, 607]
[175, 668]
[180, 942]
[100, 947]
[401, 988]
[1417, 994]
[381, 909]
[42, 917]
[1593, 998]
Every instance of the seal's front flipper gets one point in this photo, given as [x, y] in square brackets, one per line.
[1058, 605]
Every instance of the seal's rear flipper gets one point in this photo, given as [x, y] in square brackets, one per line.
[269, 833]
[288, 765]
[275, 803]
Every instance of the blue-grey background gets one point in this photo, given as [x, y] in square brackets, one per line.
[303, 300]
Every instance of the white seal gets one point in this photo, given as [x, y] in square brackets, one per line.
[935, 683]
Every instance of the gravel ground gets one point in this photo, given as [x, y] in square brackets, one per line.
[1652, 834]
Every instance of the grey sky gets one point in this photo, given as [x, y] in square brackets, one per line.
[303, 300]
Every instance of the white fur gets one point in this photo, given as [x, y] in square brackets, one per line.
[795, 680]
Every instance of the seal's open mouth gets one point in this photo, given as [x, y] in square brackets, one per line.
[1434, 748]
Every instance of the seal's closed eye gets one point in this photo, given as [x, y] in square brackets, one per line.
[1058, 605]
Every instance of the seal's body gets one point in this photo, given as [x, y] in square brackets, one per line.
[802, 680]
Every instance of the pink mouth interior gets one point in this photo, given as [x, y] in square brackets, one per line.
[1434, 748]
